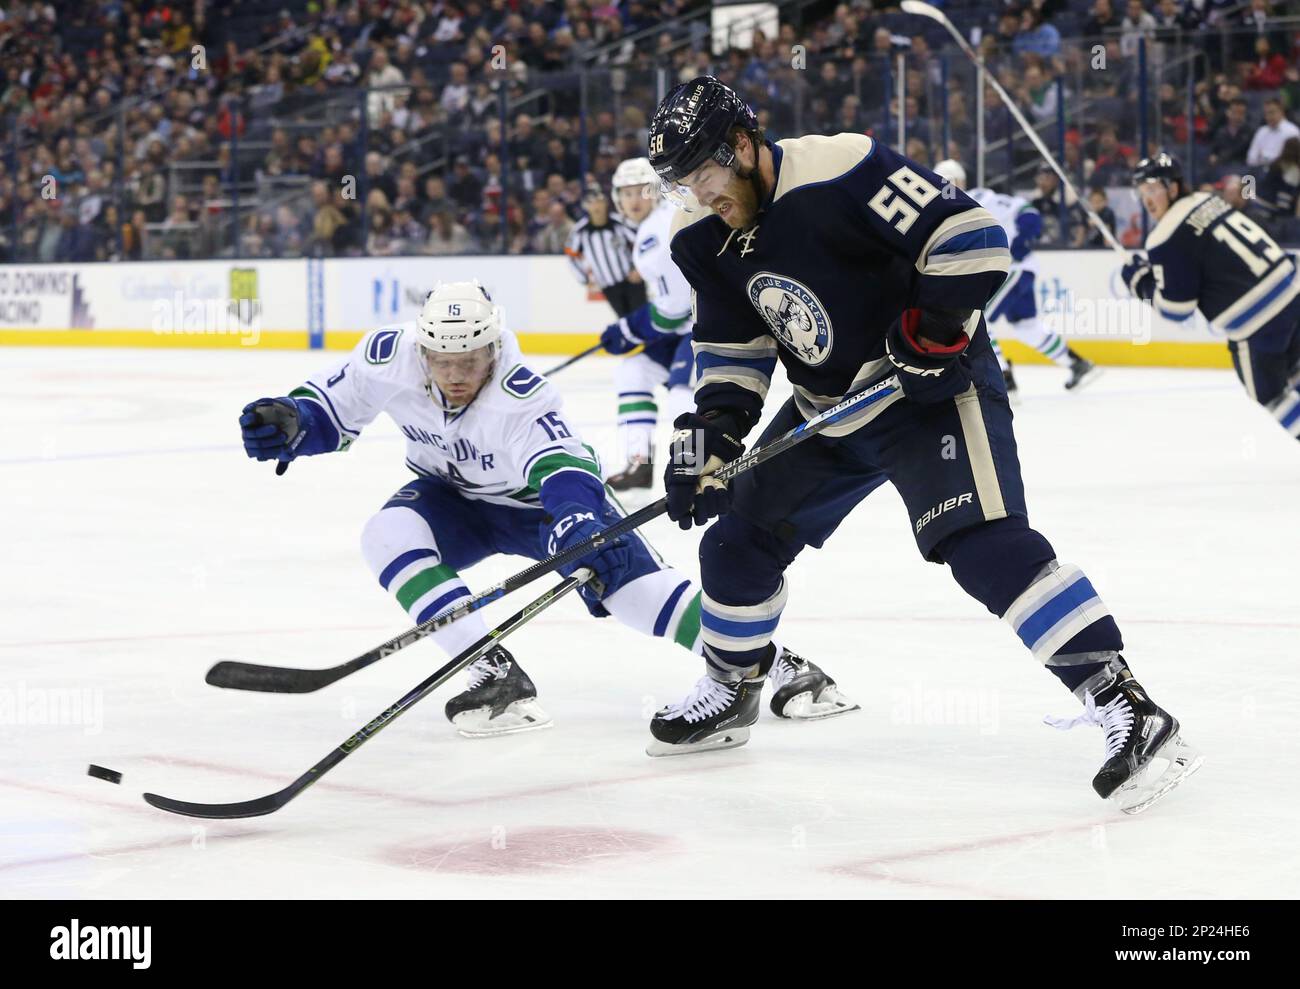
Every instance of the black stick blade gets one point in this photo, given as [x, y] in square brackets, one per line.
[247, 808]
[234, 675]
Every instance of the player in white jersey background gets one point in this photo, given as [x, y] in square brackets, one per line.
[662, 325]
[499, 470]
[1015, 305]
[1203, 253]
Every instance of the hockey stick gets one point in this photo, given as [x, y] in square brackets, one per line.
[274, 801]
[288, 680]
[935, 14]
[572, 360]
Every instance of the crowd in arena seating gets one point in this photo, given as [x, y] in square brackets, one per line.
[206, 128]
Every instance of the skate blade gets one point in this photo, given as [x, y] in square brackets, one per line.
[519, 717]
[1091, 375]
[802, 707]
[721, 740]
[1181, 761]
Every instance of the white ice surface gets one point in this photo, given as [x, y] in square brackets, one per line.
[139, 546]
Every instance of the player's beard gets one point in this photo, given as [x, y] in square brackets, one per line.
[740, 200]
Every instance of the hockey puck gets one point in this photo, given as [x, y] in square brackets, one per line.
[100, 773]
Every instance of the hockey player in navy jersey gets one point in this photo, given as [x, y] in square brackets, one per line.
[1203, 253]
[842, 260]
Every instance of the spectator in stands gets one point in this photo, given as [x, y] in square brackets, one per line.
[1058, 221]
[554, 235]
[1269, 69]
[1171, 21]
[178, 230]
[1036, 36]
[1173, 115]
[1278, 190]
[1272, 134]
[1038, 94]
[381, 77]
[447, 236]
[1110, 164]
[1103, 20]
[380, 241]
[1231, 138]
[1137, 24]
[378, 175]
[328, 223]
[134, 238]
[1086, 235]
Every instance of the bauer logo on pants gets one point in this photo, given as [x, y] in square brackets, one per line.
[937, 510]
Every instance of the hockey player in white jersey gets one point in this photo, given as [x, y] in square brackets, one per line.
[662, 325]
[1202, 253]
[499, 470]
[1015, 301]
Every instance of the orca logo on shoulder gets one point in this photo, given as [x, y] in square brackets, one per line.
[794, 314]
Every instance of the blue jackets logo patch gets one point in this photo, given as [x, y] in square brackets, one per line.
[794, 314]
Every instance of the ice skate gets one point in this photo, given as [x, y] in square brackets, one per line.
[639, 473]
[499, 700]
[1013, 390]
[1082, 372]
[803, 692]
[715, 715]
[1145, 754]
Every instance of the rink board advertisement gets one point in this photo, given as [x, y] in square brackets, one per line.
[155, 304]
[542, 299]
[332, 302]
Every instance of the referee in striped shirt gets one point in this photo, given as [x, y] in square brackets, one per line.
[600, 251]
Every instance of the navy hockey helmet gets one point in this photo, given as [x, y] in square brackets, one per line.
[691, 126]
[1162, 167]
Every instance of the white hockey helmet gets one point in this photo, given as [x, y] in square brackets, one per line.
[635, 171]
[951, 171]
[458, 317]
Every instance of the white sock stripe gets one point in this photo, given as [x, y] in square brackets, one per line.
[730, 643]
[410, 570]
[770, 608]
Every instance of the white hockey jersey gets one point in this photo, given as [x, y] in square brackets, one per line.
[667, 288]
[1006, 210]
[501, 448]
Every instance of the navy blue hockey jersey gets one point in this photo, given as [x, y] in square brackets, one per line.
[1205, 253]
[852, 234]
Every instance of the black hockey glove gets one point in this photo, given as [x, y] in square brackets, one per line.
[272, 429]
[700, 445]
[1139, 278]
[928, 348]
